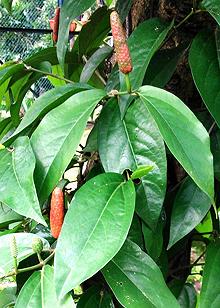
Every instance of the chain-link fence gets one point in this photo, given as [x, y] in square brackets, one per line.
[26, 31]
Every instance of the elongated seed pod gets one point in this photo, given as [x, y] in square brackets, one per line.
[56, 211]
[120, 44]
[56, 25]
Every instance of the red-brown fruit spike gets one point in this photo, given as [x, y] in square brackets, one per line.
[56, 25]
[120, 43]
[56, 212]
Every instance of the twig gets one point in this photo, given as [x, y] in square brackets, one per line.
[30, 68]
[30, 268]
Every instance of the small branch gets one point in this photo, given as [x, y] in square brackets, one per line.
[30, 68]
[211, 128]
[185, 19]
[30, 268]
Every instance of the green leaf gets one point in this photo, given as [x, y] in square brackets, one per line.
[135, 233]
[188, 296]
[123, 7]
[138, 143]
[44, 104]
[183, 134]
[108, 2]
[92, 34]
[205, 69]
[190, 207]
[215, 147]
[136, 280]
[153, 240]
[5, 126]
[8, 216]
[143, 43]
[8, 70]
[95, 297]
[7, 4]
[96, 59]
[210, 293]
[213, 7]
[56, 70]
[54, 151]
[39, 291]
[24, 244]
[69, 11]
[8, 297]
[141, 171]
[16, 180]
[101, 224]
[217, 41]
[162, 66]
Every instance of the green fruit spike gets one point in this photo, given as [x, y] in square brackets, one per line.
[37, 245]
[13, 246]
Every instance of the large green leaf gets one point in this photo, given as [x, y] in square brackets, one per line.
[95, 297]
[96, 59]
[55, 140]
[24, 244]
[138, 143]
[215, 147]
[8, 70]
[17, 189]
[189, 208]
[136, 280]
[8, 216]
[39, 291]
[96, 227]
[44, 104]
[162, 66]
[7, 297]
[69, 11]
[153, 240]
[210, 293]
[188, 296]
[92, 34]
[213, 7]
[123, 7]
[143, 43]
[204, 64]
[183, 134]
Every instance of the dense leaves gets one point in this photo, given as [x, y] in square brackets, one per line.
[132, 163]
[138, 143]
[53, 151]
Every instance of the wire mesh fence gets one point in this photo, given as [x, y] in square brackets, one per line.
[18, 37]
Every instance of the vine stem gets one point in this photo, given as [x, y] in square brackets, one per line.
[128, 83]
[30, 268]
[185, 19]
[30, 68]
